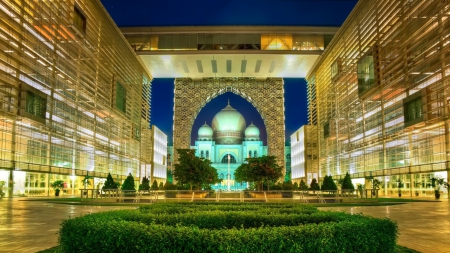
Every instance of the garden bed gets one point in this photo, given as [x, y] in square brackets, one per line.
[227, 227]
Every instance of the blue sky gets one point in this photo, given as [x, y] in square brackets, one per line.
[230, 12]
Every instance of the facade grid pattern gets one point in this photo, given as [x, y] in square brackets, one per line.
[43, 52]
[368, 135]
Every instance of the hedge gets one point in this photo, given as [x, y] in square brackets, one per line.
[211, 231]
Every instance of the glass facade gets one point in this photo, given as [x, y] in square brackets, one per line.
[398, 130]
[58, 116]
[228, 41]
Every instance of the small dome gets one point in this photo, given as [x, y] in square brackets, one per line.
[228, 126]
[252, 132]
[205, 132]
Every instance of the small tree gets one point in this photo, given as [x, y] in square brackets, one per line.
[347, 183]
[161, 185]
[303, 186]
[169, 186]
[145, 185]
[295, 186]
[109, 184]
[259, 170]
[328, 184]
[154, 185]
[128, 184]
[314, 186]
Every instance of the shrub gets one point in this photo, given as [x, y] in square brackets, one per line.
[145, 185]
[314, 185]
[230, 228]
[347, 183]
[109, 184]
[155, 185]
[129, 183]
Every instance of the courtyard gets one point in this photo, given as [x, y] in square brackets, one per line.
[31, 226]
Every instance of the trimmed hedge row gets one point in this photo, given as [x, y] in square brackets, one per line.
[173, 208]
[210, 231]
[220, 220]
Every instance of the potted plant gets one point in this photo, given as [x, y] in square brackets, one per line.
[416, 185]
[57, 185]
[86, 182]
[400, 185]
[436, 183]
[360, 188]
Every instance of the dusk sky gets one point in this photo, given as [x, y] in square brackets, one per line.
[231, 12]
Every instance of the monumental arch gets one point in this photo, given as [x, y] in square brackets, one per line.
[266, 95]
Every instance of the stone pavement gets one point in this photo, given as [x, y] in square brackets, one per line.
[31, 226]
[423, 226]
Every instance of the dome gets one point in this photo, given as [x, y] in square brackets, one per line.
[252, 132]
[228, 126]
[205, 132]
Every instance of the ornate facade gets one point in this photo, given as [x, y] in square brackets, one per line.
[267, 96]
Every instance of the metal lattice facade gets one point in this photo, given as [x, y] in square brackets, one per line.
[390, 61]
[266, 96]
[73, 66]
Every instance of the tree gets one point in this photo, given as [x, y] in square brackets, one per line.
[109, 184]
[328, 184]
[161, 185]
[303, 186]
[155, 185]
[347, 183]
[295, 187]
[145, 185]
[314, 186]
[260, 170]
[128, 184]
[193, 170]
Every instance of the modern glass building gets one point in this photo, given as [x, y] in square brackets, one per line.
[74, 98]
[379, 96]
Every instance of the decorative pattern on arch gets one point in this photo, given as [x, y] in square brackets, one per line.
[266, 96]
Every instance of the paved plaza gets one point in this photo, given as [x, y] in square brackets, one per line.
[31, 226]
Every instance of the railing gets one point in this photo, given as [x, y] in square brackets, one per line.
[150, 196]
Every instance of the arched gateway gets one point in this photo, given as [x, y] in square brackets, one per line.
[267, 96]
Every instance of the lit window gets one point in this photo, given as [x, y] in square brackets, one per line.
[366, 73]
[413, 110]
[335, 70]
[228, 157]
[255, 154]
[207, 154]
[79, 20]
[136, 132]
[326, 130]
[121, 97]
[36, 105]
[202, 154]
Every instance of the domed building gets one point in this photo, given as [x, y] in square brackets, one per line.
[226, 143]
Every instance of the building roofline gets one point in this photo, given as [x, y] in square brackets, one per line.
[229, 29]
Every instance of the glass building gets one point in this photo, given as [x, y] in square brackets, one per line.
[74, 98]
[379, 96]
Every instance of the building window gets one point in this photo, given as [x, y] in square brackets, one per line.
[413, 110]
[121, 97]
[36, 105]
[249, 154]
[255, 154]
[288, 156]
[228, 157]
[202, 154]
[366, 73]
[335, 69]
[79, 20]
[207, 154]
[136, 132]
[326, 130]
